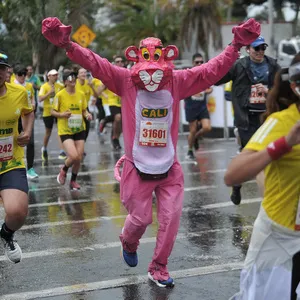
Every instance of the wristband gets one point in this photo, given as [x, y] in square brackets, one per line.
[278, 148]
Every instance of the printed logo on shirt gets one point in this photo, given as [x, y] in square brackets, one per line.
[10, 122]
[6, 131]
[74, 107]
[154, 113]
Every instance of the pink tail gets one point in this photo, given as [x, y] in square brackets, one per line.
[117, 168]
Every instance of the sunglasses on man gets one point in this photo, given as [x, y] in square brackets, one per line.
[198, 62]
[260, 48]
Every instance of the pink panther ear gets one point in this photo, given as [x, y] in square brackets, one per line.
[171, 52]
[132, 53]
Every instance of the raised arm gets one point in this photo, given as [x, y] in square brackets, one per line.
[112, 76]
[199, 78]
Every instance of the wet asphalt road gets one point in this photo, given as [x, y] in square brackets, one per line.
[70, 243]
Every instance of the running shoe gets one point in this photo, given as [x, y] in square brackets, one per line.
[74, 186]
[31, 174]
[13, 251]
[62, 155]
[162, 283]
[44, 154]
[190, 155]
[61, 177]
[102, 125]
[235, 196]
[156, 271]
[130, 258]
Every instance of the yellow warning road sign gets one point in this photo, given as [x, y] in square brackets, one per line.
[84, 36]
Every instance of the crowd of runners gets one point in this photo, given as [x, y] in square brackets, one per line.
[265, 101]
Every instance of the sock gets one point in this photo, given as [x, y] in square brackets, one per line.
[65, 168]
[190, 149]
[73, 177]
[44, 148]
[62, 152]
[5, 232]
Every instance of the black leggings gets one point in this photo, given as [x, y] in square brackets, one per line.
[87, 128]
[29, 147]
[295, 275]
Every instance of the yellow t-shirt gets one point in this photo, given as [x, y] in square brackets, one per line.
[76, 103]
[85, 89]
[12, 105]
[12, 78]
[282, 180]
[30, 91]
[45, 89]
[112, 98]
[96, 82]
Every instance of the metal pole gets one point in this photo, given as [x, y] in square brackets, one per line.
[226, 130]
[271, 26]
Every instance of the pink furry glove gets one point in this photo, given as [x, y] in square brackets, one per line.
[245, 34]
[56, 32]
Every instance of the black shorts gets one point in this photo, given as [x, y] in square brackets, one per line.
[114, 110]
[193, 115]
[75, 137]
[15, 179]
[49, 121]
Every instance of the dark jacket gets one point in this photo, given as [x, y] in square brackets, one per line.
[241, 77]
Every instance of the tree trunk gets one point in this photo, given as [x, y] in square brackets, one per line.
[295, 22]
[35, 60]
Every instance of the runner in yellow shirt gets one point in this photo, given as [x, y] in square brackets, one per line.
[20, 78]
[46, 95]
[114, 102]
[86, 87]
[70, 108]
[271, 269]
[13, 181]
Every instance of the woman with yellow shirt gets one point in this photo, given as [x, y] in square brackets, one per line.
[20, 76]
[70, 109]
[271, 269]
[46, 95]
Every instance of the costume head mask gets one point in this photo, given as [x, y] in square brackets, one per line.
[153, 67]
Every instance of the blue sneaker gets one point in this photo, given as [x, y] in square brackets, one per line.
[162, 283]
[131, 259]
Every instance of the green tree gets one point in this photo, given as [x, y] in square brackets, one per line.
[202, 22]
[23, 40]
[135, 20]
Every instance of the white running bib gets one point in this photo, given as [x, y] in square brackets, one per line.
[256, 98]
[199, 97]
[75, 121]
[6, 148]
[153, 134]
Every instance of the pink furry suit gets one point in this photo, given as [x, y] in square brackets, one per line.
[150, 93]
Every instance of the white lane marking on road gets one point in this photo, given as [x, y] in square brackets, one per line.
[126, 281]
[224, 204]
[108, 218]
[68, 250]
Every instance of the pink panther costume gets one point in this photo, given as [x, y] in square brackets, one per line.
[150, 92]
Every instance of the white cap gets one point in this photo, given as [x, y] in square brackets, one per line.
[52, 72]
[294, 71]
